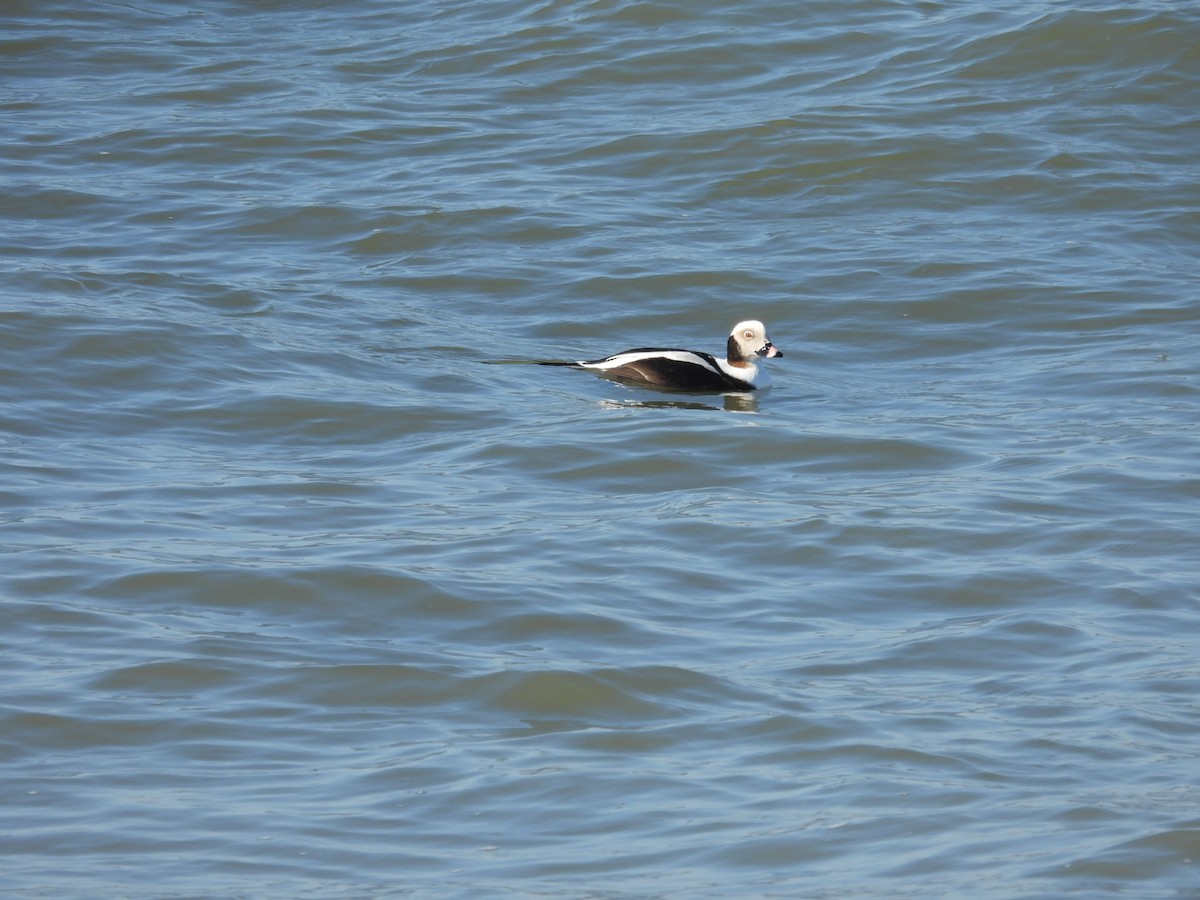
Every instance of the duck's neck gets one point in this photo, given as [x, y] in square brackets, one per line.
[734, 355]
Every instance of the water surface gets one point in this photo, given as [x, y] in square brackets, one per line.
[304, 598]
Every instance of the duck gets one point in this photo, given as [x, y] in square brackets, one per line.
[691, 370]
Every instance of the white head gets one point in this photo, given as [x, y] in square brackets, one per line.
[748, 340]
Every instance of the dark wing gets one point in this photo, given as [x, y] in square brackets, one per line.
[676, 374]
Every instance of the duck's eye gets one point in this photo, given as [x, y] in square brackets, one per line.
[747, 334]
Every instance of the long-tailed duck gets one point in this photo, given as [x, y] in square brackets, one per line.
[690, 370]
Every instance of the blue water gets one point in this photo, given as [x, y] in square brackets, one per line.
[305, 596]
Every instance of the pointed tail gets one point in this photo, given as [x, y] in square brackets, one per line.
[529, 362]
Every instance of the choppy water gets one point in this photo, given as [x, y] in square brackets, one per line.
[302, 598]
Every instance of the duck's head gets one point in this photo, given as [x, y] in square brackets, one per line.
[749, 339]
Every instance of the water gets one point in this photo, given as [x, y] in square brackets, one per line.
[302, 597]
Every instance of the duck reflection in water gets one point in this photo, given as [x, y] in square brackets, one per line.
[741, 403]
